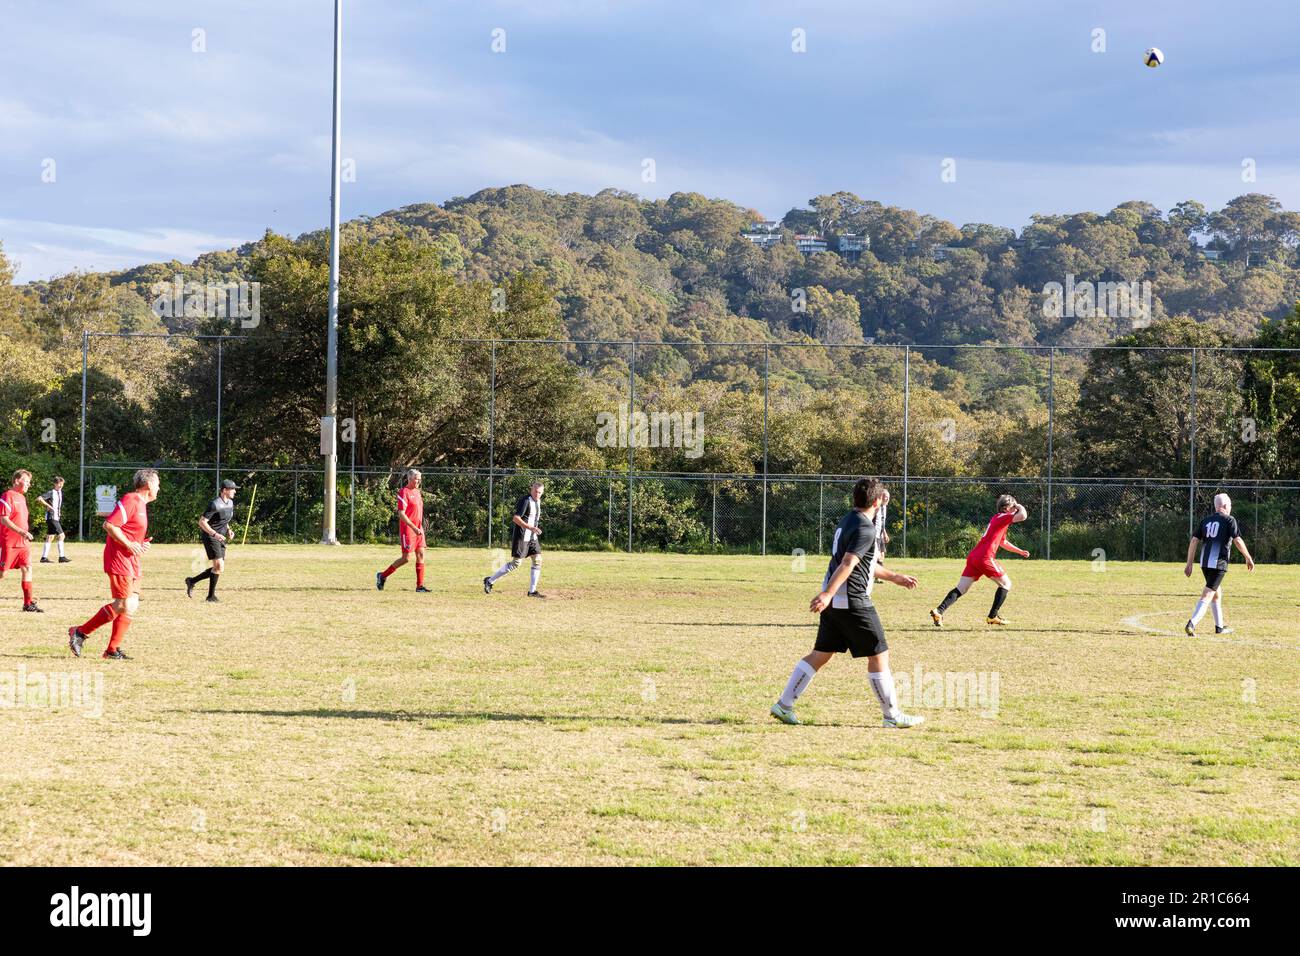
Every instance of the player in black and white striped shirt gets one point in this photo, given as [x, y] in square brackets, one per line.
[848, 620]
[525, 541]
[1215, 536]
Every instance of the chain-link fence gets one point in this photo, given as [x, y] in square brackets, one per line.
[1045, 420]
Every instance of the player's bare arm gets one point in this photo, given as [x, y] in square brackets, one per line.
[823, 600]
[207, 529]
[1191, 555]
[902, 580]
[15, 529]
[1245, 552]
[116, 533]
[1020, 513]
[526, 526]
[1013, 548]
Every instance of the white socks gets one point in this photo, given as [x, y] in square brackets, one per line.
[533, 577]
[1201, 607]
[799, 680]
[1216, 607]
[61, 554]
[882, 685]
[45, 551]
[501, 572]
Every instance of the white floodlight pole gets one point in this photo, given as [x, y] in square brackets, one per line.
[329, 431]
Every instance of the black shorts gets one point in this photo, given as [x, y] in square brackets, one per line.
[856, 630]
[215, 549]
[520, 549]
[53, 527]
[1213, 577]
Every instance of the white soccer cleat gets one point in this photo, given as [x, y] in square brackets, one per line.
[903, 721]
[784, 714]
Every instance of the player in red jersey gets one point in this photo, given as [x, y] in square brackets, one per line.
[982, 560]
[410, 520]
[126, 527]
[16, 537]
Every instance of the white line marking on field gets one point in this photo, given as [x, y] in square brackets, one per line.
[1135, 621]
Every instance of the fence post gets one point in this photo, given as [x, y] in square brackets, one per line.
[295, 505]
[352, 487]
[631, 440]
[821, 512]
[713, 524]
[1051, 428]
[81, 481]
[1144, 519]
[767, 354]
[492, 444]
[1191, 491]
[219, 356]
[907, 431]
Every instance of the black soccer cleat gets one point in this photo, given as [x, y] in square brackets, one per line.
[1189, 629]
[487, 585]
[537, 594]
[422, 590]
[46, 561]
[65, 560]
[189, 587]
[379, 580]
[31, 608]
[75, 640]
[117, 655]
[213, 599]
[1222, 630]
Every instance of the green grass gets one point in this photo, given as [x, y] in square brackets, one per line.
[309, 719]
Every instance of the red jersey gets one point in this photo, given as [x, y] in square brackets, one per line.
[994, 535]
[132, 516]
[411, 503]
[13, 505]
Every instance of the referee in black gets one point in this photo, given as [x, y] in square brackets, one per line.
[214, 526]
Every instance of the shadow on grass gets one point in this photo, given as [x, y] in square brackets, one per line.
[465, 717]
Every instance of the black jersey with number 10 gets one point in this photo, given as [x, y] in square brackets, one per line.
[1216, 533]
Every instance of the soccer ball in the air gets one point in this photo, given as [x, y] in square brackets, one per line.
[1153, 57]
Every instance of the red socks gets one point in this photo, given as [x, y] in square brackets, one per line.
[120, 624]
[390, 570]
[419, 575]
[28, 592]
[102, 617]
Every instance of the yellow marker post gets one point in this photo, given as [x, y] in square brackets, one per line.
[252, 500]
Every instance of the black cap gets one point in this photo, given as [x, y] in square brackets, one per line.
[229, 485]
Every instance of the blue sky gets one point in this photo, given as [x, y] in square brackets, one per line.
[163, 152]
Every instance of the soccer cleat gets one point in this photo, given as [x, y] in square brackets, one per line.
[537, 594]
[75, 640]
[903, 721]
[379, 580]
[117, 655]
[1189, 629]
[213, 599]
[65, 560]
[1222, 630]
[784, 714]
[997, 620]
[487, 585]
[31, 608]
[422, 590]
[936, 617]
[189, 587]
[46, 561]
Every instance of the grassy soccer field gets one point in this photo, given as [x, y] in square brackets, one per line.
[309, 719]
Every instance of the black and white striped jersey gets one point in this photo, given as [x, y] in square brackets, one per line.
[856, 534]
[530, 510]
[1216, 534]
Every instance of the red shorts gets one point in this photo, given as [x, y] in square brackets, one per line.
[122, 586]
[11, 558]
[980, 567]
[411, 539]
